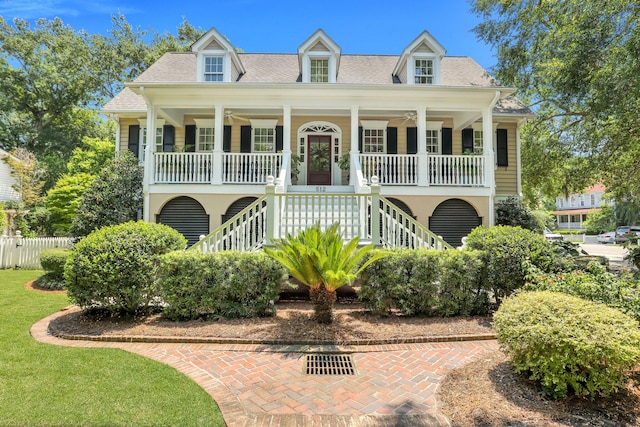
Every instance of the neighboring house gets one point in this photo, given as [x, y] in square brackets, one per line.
[439, 134]
[571, 212]
[7, 181]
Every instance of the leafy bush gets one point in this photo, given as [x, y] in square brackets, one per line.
[403, 279]
[224, 284]
[505, 251]
[512, 212]
[114, 196]
[593, 284]
[567, 344]
[463, 289]
[115, 267]
[53, 261]
[425, 282]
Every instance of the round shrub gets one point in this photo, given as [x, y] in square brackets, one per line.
[567, 344]
[52, 262]
[115, 267]
[506, 252]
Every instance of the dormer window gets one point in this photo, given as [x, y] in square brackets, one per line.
[319, 59]
[217, 59]
[419, 63]
[214, 68]
[423, 71]
[319, 70]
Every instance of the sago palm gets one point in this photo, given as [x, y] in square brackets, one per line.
[323, 262]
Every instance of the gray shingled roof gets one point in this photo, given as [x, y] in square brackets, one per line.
[284, 68]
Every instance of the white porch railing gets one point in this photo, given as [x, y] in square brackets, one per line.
[399, 230]
[402, 169]
[250, 168]
[245, 231]
[24, 252]
[464, 170]
[187, 168]
[391, 169]
[276, 215]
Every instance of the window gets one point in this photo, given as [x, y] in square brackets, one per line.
[373, 141]
[213, 68]
[433, 137]
[264, 140]
[593, 200]
[319, 70]
[477, 142]
[205, 139]
[423, 71]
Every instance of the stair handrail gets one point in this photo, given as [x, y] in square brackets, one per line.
[408, 231]
[245, 231]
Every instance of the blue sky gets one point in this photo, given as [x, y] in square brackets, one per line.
[373, 27]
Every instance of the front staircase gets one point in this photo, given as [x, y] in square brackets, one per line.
[280, 213]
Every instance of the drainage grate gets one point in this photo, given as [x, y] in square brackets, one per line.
[330, 364]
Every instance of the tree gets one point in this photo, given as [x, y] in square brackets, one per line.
[599, 221]
[512, 212]
[114, 197]
[92, 156]
[577, 63]
[320, 260]
[63, 200]
[28, 174]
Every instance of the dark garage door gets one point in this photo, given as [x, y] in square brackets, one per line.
[187, 216]
[453, 219]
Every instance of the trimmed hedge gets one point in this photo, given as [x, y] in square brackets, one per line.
[569, 345]
[115, 267]
[506, 252]
[53, 262]
[224, 284]
[425, 282]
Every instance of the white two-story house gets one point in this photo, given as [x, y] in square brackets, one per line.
[246, 147]
[571, 211]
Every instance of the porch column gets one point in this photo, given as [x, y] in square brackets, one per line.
[286, 141]
[218, 135]
[355, 136]
[487, 150]
[423, 173]
[149, 160]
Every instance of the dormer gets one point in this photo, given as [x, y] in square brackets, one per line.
[319, 59]
[217, 60]
[419, 63]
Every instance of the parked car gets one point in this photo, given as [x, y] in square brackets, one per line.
[625, 231]
[551, 236]
[607, 237]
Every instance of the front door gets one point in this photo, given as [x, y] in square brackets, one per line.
[319, 152]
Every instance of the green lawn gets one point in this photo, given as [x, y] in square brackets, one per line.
[43, 384]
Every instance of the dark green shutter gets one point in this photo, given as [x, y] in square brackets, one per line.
[502, 152]
[392, 140]
[168, 138]
[360, 138]
[412, 140]
[279, 138]
[134, 140]
[447, 141]
[190, 138]
[226, 139]
[467, 141]
[245, 139]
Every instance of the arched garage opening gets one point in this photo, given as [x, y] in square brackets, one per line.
[453, 219]
[187, 216]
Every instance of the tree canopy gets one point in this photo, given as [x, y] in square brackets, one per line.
[578, 64]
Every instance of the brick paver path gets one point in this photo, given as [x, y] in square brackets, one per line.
[260, 385]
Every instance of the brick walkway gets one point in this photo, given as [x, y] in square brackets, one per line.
[260, 385]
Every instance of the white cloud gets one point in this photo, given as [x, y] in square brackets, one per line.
[32, 9]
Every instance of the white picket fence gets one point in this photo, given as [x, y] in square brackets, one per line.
[24, 252]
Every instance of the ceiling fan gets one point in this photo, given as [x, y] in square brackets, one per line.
[408, 116]
[231, 116]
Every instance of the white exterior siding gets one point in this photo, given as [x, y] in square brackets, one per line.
[6, 181]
